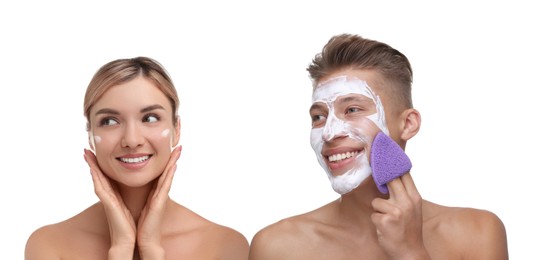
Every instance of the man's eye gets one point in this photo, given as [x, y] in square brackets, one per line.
[352, 110]
[108, 121]
[151, 118]
[317, 118]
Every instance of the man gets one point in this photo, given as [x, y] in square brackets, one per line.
[362, 90]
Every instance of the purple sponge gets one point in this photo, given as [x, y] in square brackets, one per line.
[388, 161]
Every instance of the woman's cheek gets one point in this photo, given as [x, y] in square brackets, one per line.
[163, 139]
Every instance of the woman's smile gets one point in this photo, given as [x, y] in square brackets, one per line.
[134, 161]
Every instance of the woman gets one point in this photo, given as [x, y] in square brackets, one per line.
[134, 129]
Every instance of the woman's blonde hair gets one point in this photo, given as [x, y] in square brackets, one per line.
[123, 70]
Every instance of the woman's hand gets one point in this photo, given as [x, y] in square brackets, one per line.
[122, 227]
[149, 225]
[398, 220]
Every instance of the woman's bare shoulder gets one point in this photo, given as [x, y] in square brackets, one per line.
[42, 243]
[52, 240]
[226, 241]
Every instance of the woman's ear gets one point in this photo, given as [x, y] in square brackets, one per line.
[90, 135]
[176, 132]
[411, 121]
[91, 139]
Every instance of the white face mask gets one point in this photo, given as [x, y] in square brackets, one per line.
[327, 93]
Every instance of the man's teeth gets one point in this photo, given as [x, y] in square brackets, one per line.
[135, 160]
[340, 156]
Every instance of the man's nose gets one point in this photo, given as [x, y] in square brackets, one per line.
[333, 128]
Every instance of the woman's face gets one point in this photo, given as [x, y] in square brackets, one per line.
[132, 132]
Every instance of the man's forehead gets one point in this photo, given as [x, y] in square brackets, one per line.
[342, 85]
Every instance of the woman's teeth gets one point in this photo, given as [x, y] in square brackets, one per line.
[340, 156]
[134, 160]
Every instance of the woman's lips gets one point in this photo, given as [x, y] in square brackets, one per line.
[134, 162]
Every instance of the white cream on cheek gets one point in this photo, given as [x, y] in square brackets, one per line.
[327, 92]
[94, 139]
[165, 134]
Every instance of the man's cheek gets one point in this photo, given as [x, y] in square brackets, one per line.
[364, 130]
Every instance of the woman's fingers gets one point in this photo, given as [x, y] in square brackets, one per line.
[165, 180]
[100, 183]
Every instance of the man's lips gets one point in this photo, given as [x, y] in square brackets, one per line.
[341, 153]
[341, 158]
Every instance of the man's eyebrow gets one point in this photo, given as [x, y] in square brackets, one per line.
[107, 111]
[316, 106]
[152, 107]
[354, 98]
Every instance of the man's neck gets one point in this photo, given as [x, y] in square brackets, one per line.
[356, 206]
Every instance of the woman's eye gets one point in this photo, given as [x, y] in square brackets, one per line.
[151, 118]
[108, 121]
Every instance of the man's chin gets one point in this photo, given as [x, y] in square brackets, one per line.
[350, 180]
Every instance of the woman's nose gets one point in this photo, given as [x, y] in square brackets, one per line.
[132, 136]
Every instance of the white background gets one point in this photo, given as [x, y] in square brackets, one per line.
[239, 68]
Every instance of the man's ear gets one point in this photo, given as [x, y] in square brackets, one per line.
[411, 121]
[176, 133]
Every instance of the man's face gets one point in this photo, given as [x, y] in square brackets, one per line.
[346, 115]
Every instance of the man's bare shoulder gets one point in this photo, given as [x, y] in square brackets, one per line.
[473, 233]
[458, 219]
[297, 225]
[278, 240]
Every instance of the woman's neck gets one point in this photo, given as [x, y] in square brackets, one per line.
[135, 198]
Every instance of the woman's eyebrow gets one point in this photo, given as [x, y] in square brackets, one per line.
[152, 107]
[107, 111]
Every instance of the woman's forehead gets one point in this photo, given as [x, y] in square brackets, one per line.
[133, 94]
